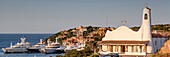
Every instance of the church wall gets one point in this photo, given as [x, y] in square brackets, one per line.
[104, 47]
[144, 34]
[129, 49]
[158, 43]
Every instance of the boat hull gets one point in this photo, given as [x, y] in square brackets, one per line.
[33, 50]
[47, 51]
[60, 50]
[15, 50]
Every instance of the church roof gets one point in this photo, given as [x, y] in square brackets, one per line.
[124, 42]
[122, 33]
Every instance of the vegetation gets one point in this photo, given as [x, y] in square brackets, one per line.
[161, 55]
[94, 55]
[92, 45]
[83, 53]
[71, 34]
[164, 27]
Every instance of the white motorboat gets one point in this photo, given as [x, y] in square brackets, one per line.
[80, 47]
[68, 48]
[36, 47]
[61, 49]
[18, 48]
[51, 47]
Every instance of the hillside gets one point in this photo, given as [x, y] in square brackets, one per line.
[164, 27]
[76, 35]
[89, 33]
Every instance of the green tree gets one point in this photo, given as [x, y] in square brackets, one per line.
[60, 40]
[94, 55]
[59, 56]
[92, 45]
[73, 53]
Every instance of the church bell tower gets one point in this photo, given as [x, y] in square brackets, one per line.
[146, 28]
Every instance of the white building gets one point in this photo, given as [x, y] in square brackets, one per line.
[128, 42]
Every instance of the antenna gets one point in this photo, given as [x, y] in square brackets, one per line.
[56, 40]
[40, 41]
[123, 22]
[11, 44]
[107, 21]
[23, 36]
[18, 40]
[146, 4]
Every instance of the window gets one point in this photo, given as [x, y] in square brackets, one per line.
[140, 48]
[146, 17]
[132, 48]
[155, 43]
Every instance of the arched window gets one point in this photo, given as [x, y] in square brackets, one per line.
[146, 17]
[155, 43]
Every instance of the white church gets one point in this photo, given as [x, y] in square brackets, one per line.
[125, 41]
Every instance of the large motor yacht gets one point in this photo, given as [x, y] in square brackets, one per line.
[18, 48]
[70, 47]
[81, 45]
[35, 48]
[51, 47]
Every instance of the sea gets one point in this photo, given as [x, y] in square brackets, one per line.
[6, 39]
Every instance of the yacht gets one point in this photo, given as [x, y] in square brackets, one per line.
[70, 47]
[35, 48]
[80, 47]
[51, 47]
[61, 49]
[18, 48]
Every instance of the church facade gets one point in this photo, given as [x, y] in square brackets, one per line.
[128, 42]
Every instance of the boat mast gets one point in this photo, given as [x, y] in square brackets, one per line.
[56, 40]
[48, 41]
[11, 44]
[40, 41]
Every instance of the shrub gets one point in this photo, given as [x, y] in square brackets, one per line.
[154, 55]
[73, 53]
[94, 55]
[165, 55]
[59, 56]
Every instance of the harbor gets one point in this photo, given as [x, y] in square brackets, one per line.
[6, 39]
[26, 47]
[84, 28]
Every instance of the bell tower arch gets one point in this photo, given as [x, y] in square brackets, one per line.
[146, 28]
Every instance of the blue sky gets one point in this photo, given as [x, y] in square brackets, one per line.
[51, 16]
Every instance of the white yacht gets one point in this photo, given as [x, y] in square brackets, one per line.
[80, 47]
[68, 48]
[36, 47]
[19, 47]
[61, 49]
[51, 47]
